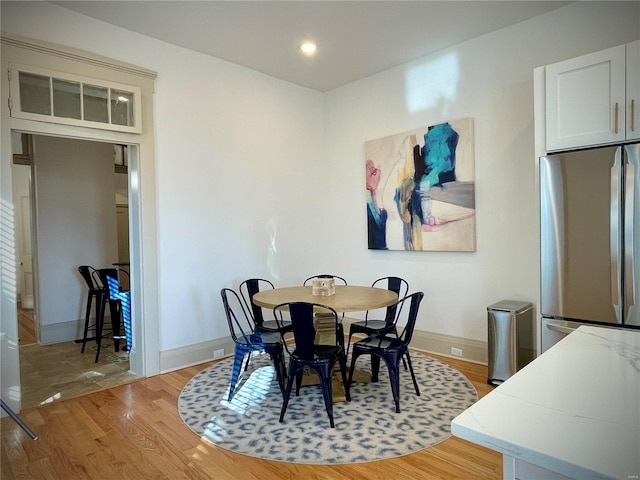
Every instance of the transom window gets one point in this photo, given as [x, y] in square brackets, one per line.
[45, 95]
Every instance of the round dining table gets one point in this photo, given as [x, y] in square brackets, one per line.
[348, 298]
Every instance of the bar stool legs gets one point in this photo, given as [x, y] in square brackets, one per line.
[97, 295]
[104, 287]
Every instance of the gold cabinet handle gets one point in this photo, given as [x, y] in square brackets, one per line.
[616, 130]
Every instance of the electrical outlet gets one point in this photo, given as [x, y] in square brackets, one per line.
[218, 353]
[456, 351]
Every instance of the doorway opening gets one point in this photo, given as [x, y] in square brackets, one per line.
[73, 208]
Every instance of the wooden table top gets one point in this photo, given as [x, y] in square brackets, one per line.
[348, 298]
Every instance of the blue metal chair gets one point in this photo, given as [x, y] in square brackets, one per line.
[370, 325]
[248, 289]
[119, 307]
[307, 355]
[248, 340]
[390, 348]
[92, 280]
[339, 280]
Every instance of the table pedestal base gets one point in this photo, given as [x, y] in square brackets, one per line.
[360, 376]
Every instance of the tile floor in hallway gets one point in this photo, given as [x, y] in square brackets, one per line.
[55, 372]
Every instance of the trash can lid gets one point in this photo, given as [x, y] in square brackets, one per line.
[514, 306]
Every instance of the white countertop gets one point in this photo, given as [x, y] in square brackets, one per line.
[574, 410]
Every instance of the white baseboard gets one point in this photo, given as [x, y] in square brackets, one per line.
[68, 331]
[195, 354]
[471, 350]
[61, 332]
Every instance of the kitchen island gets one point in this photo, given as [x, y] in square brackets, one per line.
[574, 412]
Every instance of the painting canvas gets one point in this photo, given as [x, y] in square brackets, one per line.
[421, 189]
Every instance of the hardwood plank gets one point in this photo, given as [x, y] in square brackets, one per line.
[135, 431]
[26, 326]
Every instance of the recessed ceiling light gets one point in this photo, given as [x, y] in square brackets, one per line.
[308, 48]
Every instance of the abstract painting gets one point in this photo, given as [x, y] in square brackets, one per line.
[421, 189]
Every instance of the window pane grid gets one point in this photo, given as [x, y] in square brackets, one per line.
[96, 107]
[66, 98]
[122, 107]
[35, 93]
[77, 100]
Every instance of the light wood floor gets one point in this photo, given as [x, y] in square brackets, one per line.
[26, 328]
[134, 431]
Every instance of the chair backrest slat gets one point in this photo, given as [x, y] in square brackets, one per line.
[397, 285]
[109, 279]
[304, 331]
[414, 299]
[248, 289]
[339, 280]
[303, 320]
[238, 321]
[89, 274]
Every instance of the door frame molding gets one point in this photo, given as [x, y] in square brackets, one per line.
[142, 197]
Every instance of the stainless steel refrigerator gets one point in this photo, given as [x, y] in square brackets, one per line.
[590, 239]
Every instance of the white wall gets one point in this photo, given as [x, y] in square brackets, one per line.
[229, 176]
[20, 178]
[76, 225]
[259, 177]
[490, 79]
[231, 147]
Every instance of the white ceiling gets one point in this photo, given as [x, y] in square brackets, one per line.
[355, 39]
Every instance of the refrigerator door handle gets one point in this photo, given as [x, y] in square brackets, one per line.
[630, 172]
[560, 327]
[614, 246]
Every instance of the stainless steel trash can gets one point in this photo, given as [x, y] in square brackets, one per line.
[511, 338]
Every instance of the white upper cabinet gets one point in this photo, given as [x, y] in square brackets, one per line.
[633, 90]
[590, 99]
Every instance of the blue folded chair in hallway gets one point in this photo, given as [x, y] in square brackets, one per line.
[119, 307]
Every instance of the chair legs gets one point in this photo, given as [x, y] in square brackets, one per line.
[87, 319]
[240, 365]
[115, 308]
[99, 325]
[324, 371]
[238, 361]
[413, 375]
[281, 370]
[343, 374]
[392, 360]
[327, 391]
